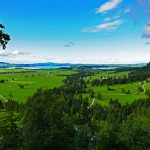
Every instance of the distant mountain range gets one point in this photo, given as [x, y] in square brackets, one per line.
[51, 64]
[8, 65]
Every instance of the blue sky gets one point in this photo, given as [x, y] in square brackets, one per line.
[76, 31]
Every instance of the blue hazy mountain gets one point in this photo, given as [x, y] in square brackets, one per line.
[49, 65]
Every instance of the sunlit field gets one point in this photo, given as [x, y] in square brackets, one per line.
[20, 84]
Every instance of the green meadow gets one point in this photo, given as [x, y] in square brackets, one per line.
[116, 92]
[98, 74]
[20, 83]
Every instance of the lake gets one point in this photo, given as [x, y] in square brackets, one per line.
[36, 67]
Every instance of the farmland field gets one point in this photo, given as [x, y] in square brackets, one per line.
[21, 83]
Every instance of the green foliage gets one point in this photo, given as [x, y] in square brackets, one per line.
[54, 128]
[21, 86]
[9, 132]
[91, 93]
[2, 81]
[62, 118]
[83, 139]
[140, 89]
[4, 37]
[104, 136]
[99, 96]
[135, 132]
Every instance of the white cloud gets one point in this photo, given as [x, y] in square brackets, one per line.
[107, 19]
[105, 26]
[4, 53]
[128, 10]
[146, 33]
[112, 18]
[108, 6]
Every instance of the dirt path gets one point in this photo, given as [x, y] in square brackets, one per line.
[144, 86]
[5, 100]
[115, 94]
[92, 102]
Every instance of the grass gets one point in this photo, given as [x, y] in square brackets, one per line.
[116, 92]
[104, 74]
[31, 81]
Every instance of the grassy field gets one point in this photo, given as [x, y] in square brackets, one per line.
[116, 92]
[104, 73]
[23, 83]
